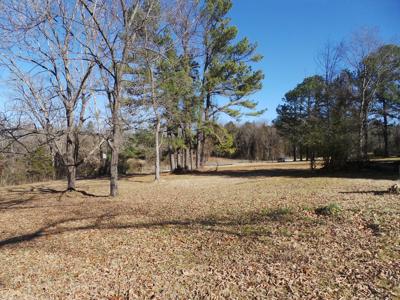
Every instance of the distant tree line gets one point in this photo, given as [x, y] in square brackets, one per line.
[350, 111]
[254, 141]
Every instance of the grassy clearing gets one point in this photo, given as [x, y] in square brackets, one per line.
[242, 232]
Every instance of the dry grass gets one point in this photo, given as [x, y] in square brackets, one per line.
[243, 232]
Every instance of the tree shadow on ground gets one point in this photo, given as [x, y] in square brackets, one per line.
[374, 192]
[11, 203]
[46, 190]
[300, 173]
[232, 225]
[27, 198]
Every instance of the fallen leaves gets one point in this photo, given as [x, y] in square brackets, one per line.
[202, 236]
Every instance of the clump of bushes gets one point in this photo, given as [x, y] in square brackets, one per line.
[328, 210]
[36, 165]
[394, 189]
[39, 165]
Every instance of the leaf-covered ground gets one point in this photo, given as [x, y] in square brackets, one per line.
[239, 233]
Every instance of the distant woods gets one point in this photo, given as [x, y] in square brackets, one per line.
[351, 110]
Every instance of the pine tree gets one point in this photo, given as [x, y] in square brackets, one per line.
[228, 78]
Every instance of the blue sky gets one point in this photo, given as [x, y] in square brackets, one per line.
[290, 34]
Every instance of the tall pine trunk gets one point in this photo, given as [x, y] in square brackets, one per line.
[385, 129]
[301, 153]
[191, 158]
[202, 151]
[294, 153]
[203, 156]
[171, 158]
[198, 150]
[187, 158]
[363, 134]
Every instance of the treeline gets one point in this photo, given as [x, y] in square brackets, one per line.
[255, 141]
[249, 141]
[351, 111]
[84, 76]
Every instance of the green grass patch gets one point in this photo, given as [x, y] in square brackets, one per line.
[331, 209]
[277, 213]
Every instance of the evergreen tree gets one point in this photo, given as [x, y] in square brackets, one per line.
[228, 78]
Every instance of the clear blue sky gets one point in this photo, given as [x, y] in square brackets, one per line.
[290, 34]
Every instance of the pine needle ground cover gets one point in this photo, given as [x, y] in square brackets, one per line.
[265, 231]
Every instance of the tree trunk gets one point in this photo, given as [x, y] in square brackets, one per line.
[202, 151]
[191, 158]
[363, 137]
[114, 155]
[385, 129]
[181, 158]
[71, 177]
[114, 172]
[301, 153]
[294, 153]
[187, 159]
[157, 167]
[203, 156]
[69, 153]
[198, 150]
[184, 158]
[171, 158]
[312, 161]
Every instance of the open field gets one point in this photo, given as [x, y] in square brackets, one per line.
[242, 232]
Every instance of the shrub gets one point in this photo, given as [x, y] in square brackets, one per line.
[394, 189]
[329, 210]
[39, 165]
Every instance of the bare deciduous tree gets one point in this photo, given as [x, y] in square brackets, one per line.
[46, 56]
[113, 28]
